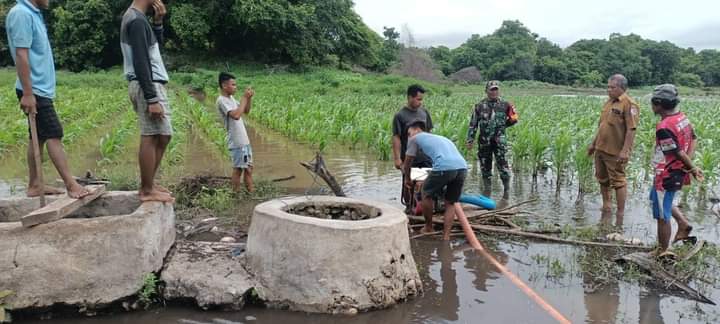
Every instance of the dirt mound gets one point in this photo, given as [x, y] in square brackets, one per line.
[469, 75]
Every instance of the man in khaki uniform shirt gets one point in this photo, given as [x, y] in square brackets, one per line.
[613, 144]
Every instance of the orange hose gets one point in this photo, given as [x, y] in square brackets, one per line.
[470, 234]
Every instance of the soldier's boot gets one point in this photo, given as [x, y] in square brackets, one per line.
[506, 189]
[487, 187]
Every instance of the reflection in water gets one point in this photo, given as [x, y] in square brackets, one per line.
[650, 308]
[449, 296]
[441, 297]
[483, 270]
[602, 304]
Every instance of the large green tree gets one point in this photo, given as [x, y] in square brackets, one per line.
[442, 55]
[709, 68]
[390, 49]
[508, 54]
[664, 60]
[81, 33]
[5, 57]
[85, 33]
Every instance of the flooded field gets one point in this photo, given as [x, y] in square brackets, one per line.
[460, 286]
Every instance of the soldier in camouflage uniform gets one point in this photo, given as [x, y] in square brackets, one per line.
[492, 116]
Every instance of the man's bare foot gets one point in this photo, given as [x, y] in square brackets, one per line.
[656, 252]
[619, 220]
[77, 191]
[427, 229]
[160, 188]
[446, 237]
[35, 192]
[156, 196]
[683, 233]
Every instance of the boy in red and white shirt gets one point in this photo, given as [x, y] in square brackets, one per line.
[675, 145]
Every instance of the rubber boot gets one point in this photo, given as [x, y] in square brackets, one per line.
[487, 187]
[506, 189]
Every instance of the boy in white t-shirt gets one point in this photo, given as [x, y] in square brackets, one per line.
[232, 111]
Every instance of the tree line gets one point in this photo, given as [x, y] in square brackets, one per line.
[85, 36]
[513, 52]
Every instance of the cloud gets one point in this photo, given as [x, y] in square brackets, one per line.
[704, 36]
[450, 40]
[451, 22]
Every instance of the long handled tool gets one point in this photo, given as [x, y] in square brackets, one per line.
[59, 208]
[36, 154]
[472, 239]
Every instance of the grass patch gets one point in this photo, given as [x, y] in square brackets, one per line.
[702, 268]
[554, 268]
[149, 291]
[598, 266]
[121, 178]
[588, 233]
[4, 315]
[216, 195]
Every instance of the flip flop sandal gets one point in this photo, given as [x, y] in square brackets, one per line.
[667, 257]
[691, 240]
[654, 253]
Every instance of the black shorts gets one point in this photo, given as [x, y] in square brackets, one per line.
[47, 121]
[451, 181]
[675, 181]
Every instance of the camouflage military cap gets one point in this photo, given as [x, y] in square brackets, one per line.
[493, 84]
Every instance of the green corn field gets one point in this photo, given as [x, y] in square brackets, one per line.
[327, 108]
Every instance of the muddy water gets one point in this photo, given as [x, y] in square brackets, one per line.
[460, 287]
[13, 165]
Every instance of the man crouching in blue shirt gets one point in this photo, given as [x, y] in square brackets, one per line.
[448, 174]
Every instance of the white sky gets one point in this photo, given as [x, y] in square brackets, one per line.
[688, 23]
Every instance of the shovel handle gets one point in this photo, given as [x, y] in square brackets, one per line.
[36, 155]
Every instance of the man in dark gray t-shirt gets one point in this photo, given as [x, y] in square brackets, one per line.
[414, 111]
[144, 69]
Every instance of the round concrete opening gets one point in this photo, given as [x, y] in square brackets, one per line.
[337, 211]
[327, 264]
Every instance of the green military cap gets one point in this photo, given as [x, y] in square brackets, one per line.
[665, 92]
[492, 84]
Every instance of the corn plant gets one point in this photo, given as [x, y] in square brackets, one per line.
[539, 143]
[707, 159]
[113, 142]
[181, 123]
[561, 154]
[584, 168]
